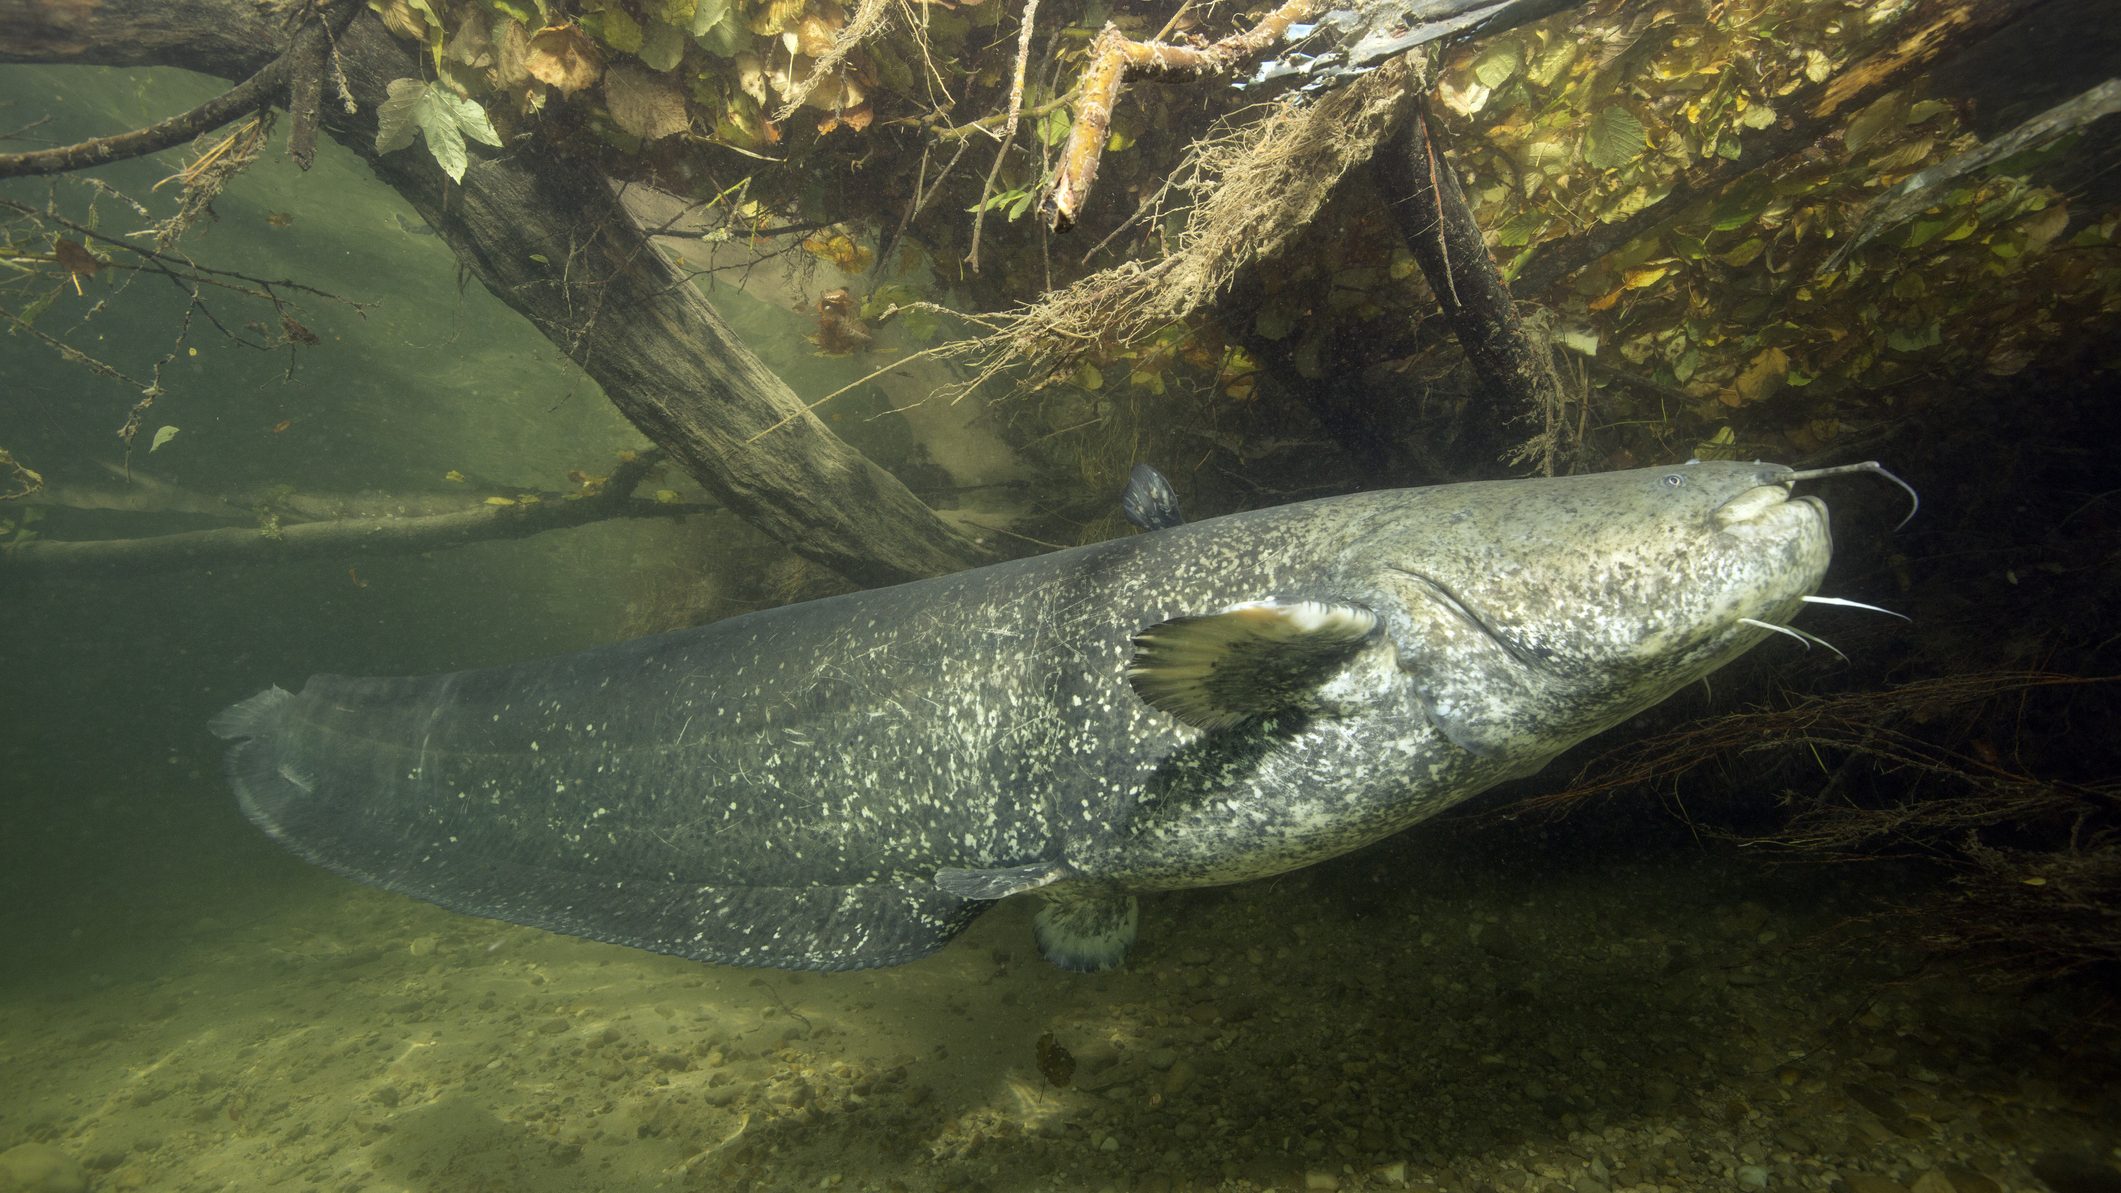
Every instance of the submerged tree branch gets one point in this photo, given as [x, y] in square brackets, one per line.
[545, 233]
[346, 538]
[1422, 193]
[1113, 56]
[352, 538]
[297, 73]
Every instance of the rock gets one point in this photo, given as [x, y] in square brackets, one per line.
[40, 1168]
[1932, 1181]
[2065, 1172]
[1865, 1182]
[1321, 1182]
[1752, 1178]
[1178, 1077]
[1966, 1180]
[1497, 942]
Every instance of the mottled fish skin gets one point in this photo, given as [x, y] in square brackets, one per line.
[784, 788]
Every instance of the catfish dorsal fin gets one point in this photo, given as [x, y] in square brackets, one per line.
[1150, 502]
[1216, 670]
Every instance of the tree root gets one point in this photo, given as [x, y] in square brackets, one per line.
[1113, 57]
[1260, 187]
[2034, 860]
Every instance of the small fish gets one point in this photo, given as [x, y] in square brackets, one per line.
[282, 425]
[279, 219]
[354, 574]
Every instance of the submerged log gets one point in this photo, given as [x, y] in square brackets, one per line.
[1430, 209]
[548, 237]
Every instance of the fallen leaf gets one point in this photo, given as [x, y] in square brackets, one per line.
[644, 104]
[441, 117]
[562, 56]
[1761, 379]
[75, 259]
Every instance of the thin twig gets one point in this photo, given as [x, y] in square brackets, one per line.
[1016, 108]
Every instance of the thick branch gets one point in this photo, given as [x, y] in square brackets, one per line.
[547, 236]
[1349, 42]
[1422, 193]
[246, 97]
[1113, 56]
[343, 539]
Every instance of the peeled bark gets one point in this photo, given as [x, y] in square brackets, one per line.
[547, 235]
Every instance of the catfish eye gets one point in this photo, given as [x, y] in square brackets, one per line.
[1673, 480]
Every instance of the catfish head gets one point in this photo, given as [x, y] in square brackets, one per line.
[1528, 615]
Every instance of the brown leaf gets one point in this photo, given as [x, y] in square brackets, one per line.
[564, 57]
[511, 49]
[1763, 378]
[75, 259]
[1056, 1063]
[854, 119]
[645, 104]
[400, 19]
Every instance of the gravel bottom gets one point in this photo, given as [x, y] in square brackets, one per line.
[1417, 1017]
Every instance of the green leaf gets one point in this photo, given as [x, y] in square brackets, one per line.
[1052, 128]
[707, 14]
[531, 14]
[440, 115]
[1494, 67]
[1274, 323]
[615, 27]
[1744, 254]
[1614, 138]
[662, 46]
[1915, 339]
[1741, 205]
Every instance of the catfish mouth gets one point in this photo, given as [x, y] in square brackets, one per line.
[1757, 504]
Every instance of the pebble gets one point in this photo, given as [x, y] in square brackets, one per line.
[1752, 1178]
[41, 1168]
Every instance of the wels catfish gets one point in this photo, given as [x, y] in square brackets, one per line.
[848, 782]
